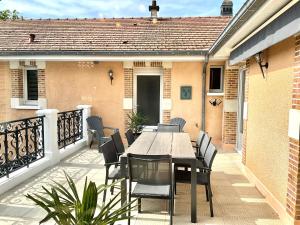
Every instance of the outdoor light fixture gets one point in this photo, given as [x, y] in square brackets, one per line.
[259, 60]
[111, 75]
[215, 102]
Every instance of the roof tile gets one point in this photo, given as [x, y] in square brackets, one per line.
[127, 35]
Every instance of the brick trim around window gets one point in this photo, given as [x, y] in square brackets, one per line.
[128, 86]
[230, 95]
[17, 75]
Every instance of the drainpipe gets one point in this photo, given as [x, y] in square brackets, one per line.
[204, 91]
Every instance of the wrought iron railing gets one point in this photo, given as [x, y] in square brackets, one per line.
[21, 143]
[69, 127]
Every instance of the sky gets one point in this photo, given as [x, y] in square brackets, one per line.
[113, 8]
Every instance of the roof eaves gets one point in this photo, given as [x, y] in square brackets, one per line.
[104, 53]
[247, 10]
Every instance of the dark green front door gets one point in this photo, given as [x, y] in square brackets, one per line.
[148, 98]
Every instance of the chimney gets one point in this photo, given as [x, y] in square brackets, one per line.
[31, 38]
[227, 8]
[154, 8]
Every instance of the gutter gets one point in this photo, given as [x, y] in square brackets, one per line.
[103, 53]
[203, 117]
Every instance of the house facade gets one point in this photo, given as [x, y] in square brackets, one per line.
[265, 48]
[237, 78]
[158, 65]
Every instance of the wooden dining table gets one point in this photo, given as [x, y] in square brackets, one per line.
[178, 145]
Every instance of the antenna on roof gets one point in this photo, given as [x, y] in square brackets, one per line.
[154, 9]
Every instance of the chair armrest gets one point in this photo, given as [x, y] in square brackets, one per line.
[112, 128]
[206, 169]
[92, 131]
[200, 157]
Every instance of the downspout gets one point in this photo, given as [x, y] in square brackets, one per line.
[204, 91]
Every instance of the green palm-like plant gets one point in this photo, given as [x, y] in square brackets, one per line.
[66, 208]
[136, 120]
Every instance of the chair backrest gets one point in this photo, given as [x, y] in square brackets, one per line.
[130, 137]
[109, 152]
[178, 121]
[174, 128]
[95, 123]
[117, 140]
[204, 145]
[210, 155]
[150, 169]
[200, 137]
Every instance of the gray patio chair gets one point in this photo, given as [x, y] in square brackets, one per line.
[96, 129]
[130, 137]
[153, 177]
[203, 175]
[174, 128]
[201, 151]
[111, 161]
[197, 145]
[117, 140]
[178, 121]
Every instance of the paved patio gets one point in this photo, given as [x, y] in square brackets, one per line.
[236, 201]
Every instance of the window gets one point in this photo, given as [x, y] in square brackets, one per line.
[216, 80]
[31, 85]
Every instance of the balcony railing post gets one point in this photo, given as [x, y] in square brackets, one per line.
[50, 134]
[86, 112]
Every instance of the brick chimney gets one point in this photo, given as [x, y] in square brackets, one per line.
[227, 8]
[154, 8]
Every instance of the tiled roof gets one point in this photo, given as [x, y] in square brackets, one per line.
[189, 35]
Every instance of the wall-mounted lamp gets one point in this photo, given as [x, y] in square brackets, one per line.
[111, 75]
[215, 101]
[259, 60]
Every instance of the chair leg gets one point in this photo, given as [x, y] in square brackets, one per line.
[210, 201]
[206, 192]
[129, 212]
[112, 188]
[139, 205]
[174, 182]
[104, 193]
[171, 211]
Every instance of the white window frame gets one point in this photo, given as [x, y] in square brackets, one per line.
[221, 90]
[25, 88]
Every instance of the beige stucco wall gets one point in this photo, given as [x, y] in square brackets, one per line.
[187, 74]
[267, 126]
[214, 114]
[190, 74]
[6, 113]
[69, 84]
[4, 91]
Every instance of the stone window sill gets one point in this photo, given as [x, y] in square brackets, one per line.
[27, 107]
[19, 103]
[215, 94]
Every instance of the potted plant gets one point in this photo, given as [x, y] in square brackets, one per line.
[136, 121]
[65, 206]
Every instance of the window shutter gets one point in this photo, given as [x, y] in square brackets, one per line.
[32, 85]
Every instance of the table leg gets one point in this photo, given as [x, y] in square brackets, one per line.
[193, 192]
[123, 182]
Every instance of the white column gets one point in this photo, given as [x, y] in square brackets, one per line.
[85, 114]
[50, 134]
